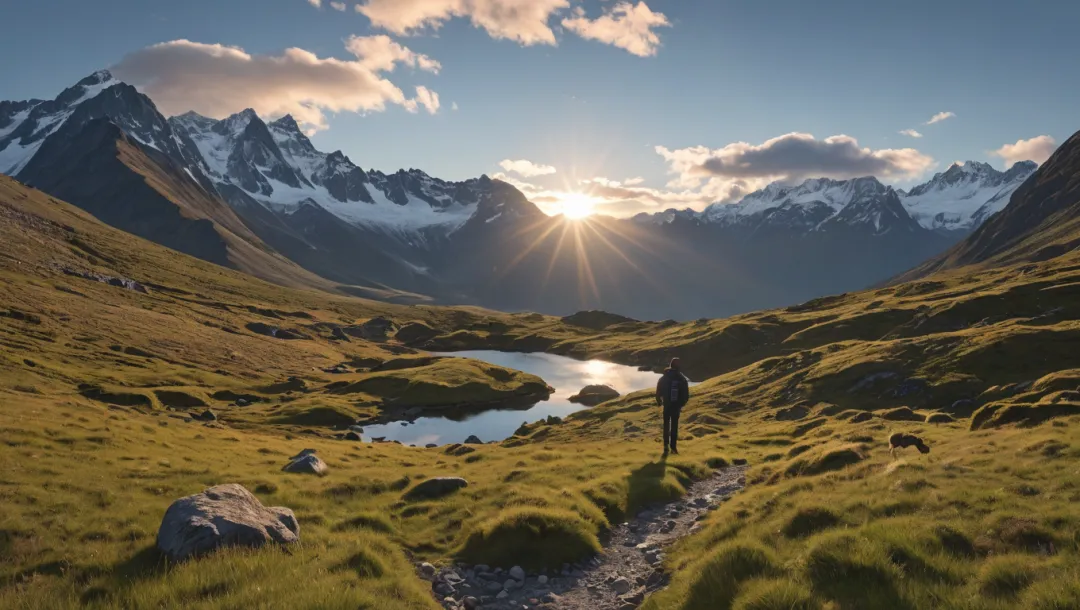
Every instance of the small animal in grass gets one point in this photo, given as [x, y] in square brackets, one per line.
[900, 440]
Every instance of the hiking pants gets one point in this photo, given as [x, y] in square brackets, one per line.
[671, 426]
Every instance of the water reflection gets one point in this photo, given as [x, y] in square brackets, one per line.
[566, 375]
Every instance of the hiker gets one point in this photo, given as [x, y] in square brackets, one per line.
[672, 391]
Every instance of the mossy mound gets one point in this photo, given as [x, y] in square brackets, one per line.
[825, 459]
[939, 418]
[720, 575]
[810, 520]
[322, 416]
[179, 399]
[1026, 415]
[553, 537]
[903, 414]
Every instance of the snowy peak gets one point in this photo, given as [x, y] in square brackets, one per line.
[964, 195]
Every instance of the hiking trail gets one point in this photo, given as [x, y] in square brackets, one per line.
[629, 568]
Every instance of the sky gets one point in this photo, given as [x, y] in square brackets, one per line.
[605, 105]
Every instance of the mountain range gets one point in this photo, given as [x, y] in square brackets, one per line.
[258, 196]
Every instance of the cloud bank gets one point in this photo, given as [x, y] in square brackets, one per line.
[1037, 149]
[218, 80]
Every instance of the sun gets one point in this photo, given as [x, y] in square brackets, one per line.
[576, 205]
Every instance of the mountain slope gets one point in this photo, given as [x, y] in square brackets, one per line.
[1041, 221]
[964, 196]
[141, 190]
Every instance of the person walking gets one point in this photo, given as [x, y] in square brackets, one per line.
[673, 392]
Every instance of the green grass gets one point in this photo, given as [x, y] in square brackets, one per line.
[829, 519]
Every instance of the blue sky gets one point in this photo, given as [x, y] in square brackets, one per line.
[593, 107]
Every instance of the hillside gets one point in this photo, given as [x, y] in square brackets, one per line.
[112, 347]
[1042, 221]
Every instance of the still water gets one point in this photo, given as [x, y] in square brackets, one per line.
[566, 375]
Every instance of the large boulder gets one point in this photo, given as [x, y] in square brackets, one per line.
[416, 333]
[306, 463]
[225, 515]
[473, 440]
[436, 488]
[592, 395]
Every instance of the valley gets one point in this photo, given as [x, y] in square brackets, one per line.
[115, 348]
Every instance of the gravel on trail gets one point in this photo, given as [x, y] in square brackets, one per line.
[629, 568]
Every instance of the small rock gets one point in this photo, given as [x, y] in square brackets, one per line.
[502, 595]
[306, 464]
[427, 570]
[443, 588]
[517, 573]
[493, 586]
[430, 446]
[621, 586]
[470, 603]
[436, 488]
[208, 415]
[636, 597]
[352, 436]
[542, 579]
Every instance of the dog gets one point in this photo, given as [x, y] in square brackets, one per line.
[900, 440]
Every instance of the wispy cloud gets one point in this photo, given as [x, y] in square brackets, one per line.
[382, 54]
[625, 25]
[525, 168]
[941, 116]
[911, 133]
[426, 99]
[315, 3]
[218, 80]
[1037, 149]
[337, 6]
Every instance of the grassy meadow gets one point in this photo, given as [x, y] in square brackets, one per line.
[98, 385]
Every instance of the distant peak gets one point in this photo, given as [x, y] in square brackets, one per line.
[287, 123]
[97, 78]
[1027, 166]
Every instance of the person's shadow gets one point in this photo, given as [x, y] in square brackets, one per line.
[647, 486]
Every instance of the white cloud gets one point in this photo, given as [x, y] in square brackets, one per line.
[381, 54]
[454, 106]
[525, 168]
[1037, 149]
[523, 21]
[911, 133]
[315, 3]
[633, 181]
[941, 116]
[218, 80]
[337, 6]
[625, 25]
[425, 98]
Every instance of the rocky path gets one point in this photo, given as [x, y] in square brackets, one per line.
[619, 579]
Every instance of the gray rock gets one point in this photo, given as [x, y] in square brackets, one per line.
[517, 572]
[621, 586]
[427, 570]
[511, 584]
[493, 586]
[224, 515]
[443, 588]
[208, 415]
[303, 453]
[436, 488]
[430, 446]
[470, 603]
[353, 436]
[542, 579]
[473, 440]
[502, 595]
[306, 464]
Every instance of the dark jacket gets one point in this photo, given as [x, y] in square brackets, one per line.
[673, 385]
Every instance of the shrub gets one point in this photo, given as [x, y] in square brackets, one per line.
[720, 575]
[855, 572]
[531, 537]
[774, 595]
[825, 460]
[809, 521]
[903, 414]
[1005, 576]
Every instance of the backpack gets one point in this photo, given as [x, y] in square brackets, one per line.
[674, 390]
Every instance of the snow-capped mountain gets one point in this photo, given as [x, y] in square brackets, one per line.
[276, 165]
[964, 196]
[816, 205]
